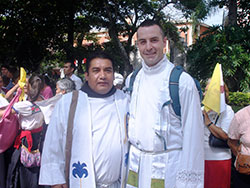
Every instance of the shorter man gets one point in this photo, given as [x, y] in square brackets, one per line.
[69, 69]
[99, 142]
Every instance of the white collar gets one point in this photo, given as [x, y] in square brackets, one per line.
[155, 69]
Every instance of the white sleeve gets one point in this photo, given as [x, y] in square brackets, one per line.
[53, 155]
[190, 173]
[226, 118]
[78, 83]
[23, 108]
[47, 106]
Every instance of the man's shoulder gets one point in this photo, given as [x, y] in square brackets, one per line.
[75, 77]
[186, 80]
[243, 114]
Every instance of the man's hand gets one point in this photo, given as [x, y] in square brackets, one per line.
[59, 186]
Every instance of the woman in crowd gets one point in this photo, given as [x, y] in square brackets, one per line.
[239, 142]
[31, 120]
[64, 86]
[47, 90]
[217, 160]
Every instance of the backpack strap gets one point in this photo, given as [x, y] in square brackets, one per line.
[198, 86]
[69, 134]
[132, 80]
[174, 88]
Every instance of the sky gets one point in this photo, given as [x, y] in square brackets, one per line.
[215, 19]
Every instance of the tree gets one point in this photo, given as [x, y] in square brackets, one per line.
[33, 30]
[228, 46]
[30, 30]
[243, 15]
[123, 17]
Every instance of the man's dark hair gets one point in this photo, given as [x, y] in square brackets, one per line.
[72, 64]
[148, 22]
[98, 54]
[5, 66]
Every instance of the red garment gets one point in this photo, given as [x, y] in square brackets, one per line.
[28, 135]
[217, 174]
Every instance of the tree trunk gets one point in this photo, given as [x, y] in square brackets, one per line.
[232, 14]
[114, 36]
[71, 22]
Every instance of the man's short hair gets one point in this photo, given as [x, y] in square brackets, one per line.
[98, 54]
[5, 66]
[72, 64]
[148, 22]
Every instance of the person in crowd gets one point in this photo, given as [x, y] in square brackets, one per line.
[47, 90]
[64, 86]
[31, 121]
[6, 81]
[69, 69]
[217, 159]
[166, 150]
[11, 92]
[239, 142]
[9, 72]
[99, 142]
[2, 91]
[4, 70]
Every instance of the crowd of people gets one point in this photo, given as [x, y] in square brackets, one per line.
[97, 134]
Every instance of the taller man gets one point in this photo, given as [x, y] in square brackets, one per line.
[167, 150]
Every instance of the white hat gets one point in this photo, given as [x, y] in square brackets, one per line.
[118, 79]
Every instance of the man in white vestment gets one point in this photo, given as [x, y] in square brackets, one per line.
[69, 69]
[166, 150]
[99, 147]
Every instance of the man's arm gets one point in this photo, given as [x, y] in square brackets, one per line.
[234, 145]
[191, 167]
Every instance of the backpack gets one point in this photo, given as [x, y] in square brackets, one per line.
[173, 87]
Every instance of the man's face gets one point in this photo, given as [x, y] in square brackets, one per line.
[4, 71]
[100, 76]
[151, 44]
[68, 71]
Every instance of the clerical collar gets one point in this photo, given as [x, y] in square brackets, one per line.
[155, 69]
[85, 88]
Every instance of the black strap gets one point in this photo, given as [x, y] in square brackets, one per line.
[69, 134]
[216, 119]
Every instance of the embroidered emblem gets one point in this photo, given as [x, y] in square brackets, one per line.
[80, 170]
[35, 109]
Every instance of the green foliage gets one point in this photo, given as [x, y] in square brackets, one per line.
[239, 99]
[227, 46]
[32, 31]
[244, 14]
